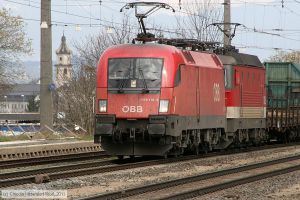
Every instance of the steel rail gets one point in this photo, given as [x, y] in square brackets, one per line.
[102, 154]
[182, 181]
[125, 164]
[54, 169]
[74, 170]
[52, 159]
[60, 172]
[230, 184]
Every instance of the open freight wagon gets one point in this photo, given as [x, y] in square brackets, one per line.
[283, 102]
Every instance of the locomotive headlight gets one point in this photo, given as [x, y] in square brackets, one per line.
[102, 105]
[163, 106]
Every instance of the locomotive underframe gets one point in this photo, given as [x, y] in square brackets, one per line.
[173, 135]
[241, 123]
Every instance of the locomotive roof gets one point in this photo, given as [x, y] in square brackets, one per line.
[147, 45]
[233, 58]
[229, 58]
[200, 58]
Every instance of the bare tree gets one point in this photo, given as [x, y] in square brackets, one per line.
[282, 56]
[92, 47]
[76, 98]
[195, 19]
[13, 43]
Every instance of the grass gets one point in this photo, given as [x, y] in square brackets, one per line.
[84, 137]
[4, 139]
[13, 138]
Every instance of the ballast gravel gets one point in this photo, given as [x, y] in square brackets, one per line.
[120, 180]
[283, 187]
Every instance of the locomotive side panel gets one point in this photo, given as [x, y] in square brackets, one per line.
[246, 106]
[184, 96]
[198, 100]
[212, 101]
[183, 108]
[245, 92]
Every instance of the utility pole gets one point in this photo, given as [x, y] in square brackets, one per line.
[46, 104]
[227, 21]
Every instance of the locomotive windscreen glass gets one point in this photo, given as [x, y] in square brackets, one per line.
[143, 72]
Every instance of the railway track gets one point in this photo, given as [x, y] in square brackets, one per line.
[81, 169]
[52, 159]
[170, 186]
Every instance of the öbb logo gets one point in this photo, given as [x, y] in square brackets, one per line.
[132, 109]
[216, 92]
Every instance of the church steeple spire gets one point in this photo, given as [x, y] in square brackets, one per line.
[63, 48]
[63, 63]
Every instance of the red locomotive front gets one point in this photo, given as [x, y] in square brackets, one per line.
[155, 99]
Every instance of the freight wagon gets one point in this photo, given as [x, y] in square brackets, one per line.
[283, 87]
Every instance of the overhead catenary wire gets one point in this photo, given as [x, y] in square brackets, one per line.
[98, 19]
[92, 18]
[82, 16]
[106, 23]
[135, 27]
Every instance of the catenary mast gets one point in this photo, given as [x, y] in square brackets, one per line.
[227, 21]
[46, 86]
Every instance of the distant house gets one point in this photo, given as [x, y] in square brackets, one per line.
[17, 99]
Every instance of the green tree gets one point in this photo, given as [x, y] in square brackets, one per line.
[33, 105]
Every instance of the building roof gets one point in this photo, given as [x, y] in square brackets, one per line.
[63, 48]
[25, 89]
[21, 92]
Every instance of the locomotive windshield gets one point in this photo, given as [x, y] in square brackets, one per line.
[135, 73]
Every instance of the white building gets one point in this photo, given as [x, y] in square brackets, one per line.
[16, 100]
[63, 63]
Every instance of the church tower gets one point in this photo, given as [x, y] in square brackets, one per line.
[63, 63]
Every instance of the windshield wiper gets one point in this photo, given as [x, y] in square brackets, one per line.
[120, 90]
[145, 90]
[122, 84]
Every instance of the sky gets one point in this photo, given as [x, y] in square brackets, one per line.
[268, 25]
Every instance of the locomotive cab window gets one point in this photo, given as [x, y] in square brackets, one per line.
[178, 76]
[228, 76]
[134, 73]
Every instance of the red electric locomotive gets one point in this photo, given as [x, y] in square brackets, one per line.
[162, 99]
[156, 99]
[245, 96]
